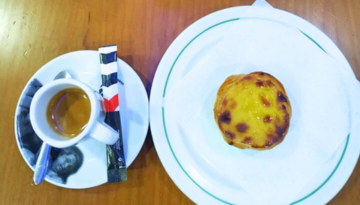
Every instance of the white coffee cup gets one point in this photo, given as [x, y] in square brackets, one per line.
[95, 128]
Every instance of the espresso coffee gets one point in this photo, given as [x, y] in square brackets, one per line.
[68, 112]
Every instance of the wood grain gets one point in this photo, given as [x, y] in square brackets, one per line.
[34, 32]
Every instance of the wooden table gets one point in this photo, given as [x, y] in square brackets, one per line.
[34, 32]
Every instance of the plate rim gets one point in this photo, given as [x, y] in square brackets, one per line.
[44, 66]
[167, 72]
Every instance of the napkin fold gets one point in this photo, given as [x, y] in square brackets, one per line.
[319, 122]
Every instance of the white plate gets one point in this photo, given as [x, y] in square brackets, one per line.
[191, 45]
[85, 66]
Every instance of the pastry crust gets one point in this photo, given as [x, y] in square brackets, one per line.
[252, 111]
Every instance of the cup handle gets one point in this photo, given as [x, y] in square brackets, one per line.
[104, 133]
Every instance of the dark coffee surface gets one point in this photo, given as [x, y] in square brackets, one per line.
[68, 112]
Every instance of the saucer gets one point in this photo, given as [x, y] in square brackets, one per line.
[87, 161]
